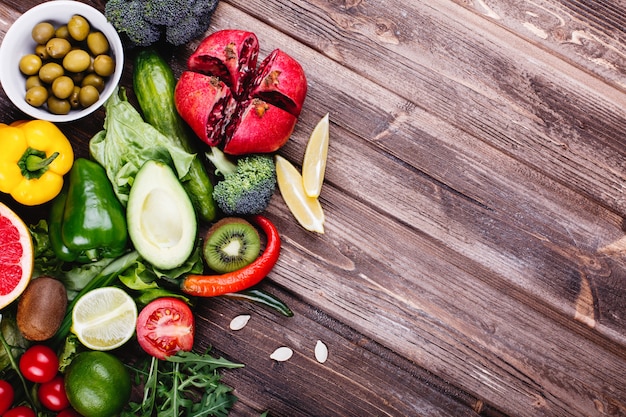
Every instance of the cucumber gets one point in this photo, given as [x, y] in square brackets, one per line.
[154, 83]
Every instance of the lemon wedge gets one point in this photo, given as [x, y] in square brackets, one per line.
[104, 318]
[314, 163]
[307, 210]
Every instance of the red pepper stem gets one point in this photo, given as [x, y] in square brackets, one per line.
[246, 277]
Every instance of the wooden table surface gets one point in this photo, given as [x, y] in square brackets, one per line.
[474, 260]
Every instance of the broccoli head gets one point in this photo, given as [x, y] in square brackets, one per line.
[247, 186]
[144, 22]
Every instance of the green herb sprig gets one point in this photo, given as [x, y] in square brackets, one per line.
[187, 383]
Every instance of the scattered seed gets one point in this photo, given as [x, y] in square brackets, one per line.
[281, 354]
[239, 322]
[321, 351]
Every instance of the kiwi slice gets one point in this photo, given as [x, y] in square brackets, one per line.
[231, 244]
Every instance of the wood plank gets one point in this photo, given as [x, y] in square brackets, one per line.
[446, 314]
[372, 380]
[586, 34]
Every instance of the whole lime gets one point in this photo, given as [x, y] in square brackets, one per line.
[97, 384]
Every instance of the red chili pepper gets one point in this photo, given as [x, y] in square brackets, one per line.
[248, 276]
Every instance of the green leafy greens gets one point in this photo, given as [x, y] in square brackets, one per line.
[187, 383]
[127, 142]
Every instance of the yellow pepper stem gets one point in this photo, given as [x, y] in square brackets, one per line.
[34, 163]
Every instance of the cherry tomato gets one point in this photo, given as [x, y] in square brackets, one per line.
[52, 394]
[21, 411]
[69, 412]
[165, 326]
[39, 364]
[7, 395]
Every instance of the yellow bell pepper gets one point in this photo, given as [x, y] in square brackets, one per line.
[35, 156]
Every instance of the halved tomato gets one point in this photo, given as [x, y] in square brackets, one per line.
[165, 326]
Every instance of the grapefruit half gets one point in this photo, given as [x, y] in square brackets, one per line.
[16, 256]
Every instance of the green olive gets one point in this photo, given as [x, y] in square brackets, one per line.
[58, 47]
[94, 80]
[90, 68]
[50, 71]
[58, 106]
[97, 43]
[36, 96]
[43, 32]
[42, 52]
[78, 27]
[77, 77]
[33, 81]
[77, 60]
[30, 64]
[103, 65]
[88, 95]
[62, 87]
[73, 98]
[62, 32]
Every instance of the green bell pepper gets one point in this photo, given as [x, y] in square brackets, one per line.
[87, 221]
[55, 226]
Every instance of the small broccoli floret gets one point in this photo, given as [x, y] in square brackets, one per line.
[193, 25]
[247, 186]
[127, 16]
[166, 12]
[202, 7]
[185, 31]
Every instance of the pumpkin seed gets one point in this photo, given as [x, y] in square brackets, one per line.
[281, 354]
[239, 322]
[321, 351]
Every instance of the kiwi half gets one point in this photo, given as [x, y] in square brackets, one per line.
[230, 244]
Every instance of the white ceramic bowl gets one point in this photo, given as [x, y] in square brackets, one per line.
[18, 42]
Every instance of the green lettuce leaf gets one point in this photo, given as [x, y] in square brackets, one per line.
[127, 142]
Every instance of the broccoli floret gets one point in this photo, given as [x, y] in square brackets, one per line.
[145, 22]
[127, 16]
[166, 13]
[247, 186]
[185, 31]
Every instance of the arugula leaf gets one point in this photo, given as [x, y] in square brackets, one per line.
[187, 383]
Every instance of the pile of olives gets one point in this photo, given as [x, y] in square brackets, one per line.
[69, 66]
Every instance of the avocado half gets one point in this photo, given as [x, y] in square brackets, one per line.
[162, 223]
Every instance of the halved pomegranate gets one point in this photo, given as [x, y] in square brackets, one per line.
[207, 104]
[230, 55]
[260, 111]
[260, 127]
[280, 80]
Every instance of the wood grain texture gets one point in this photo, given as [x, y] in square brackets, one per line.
[474, 255]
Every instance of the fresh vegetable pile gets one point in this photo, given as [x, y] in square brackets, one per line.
[143, 228]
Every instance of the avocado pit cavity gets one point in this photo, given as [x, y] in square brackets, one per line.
[161, 219]
[161, 223]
